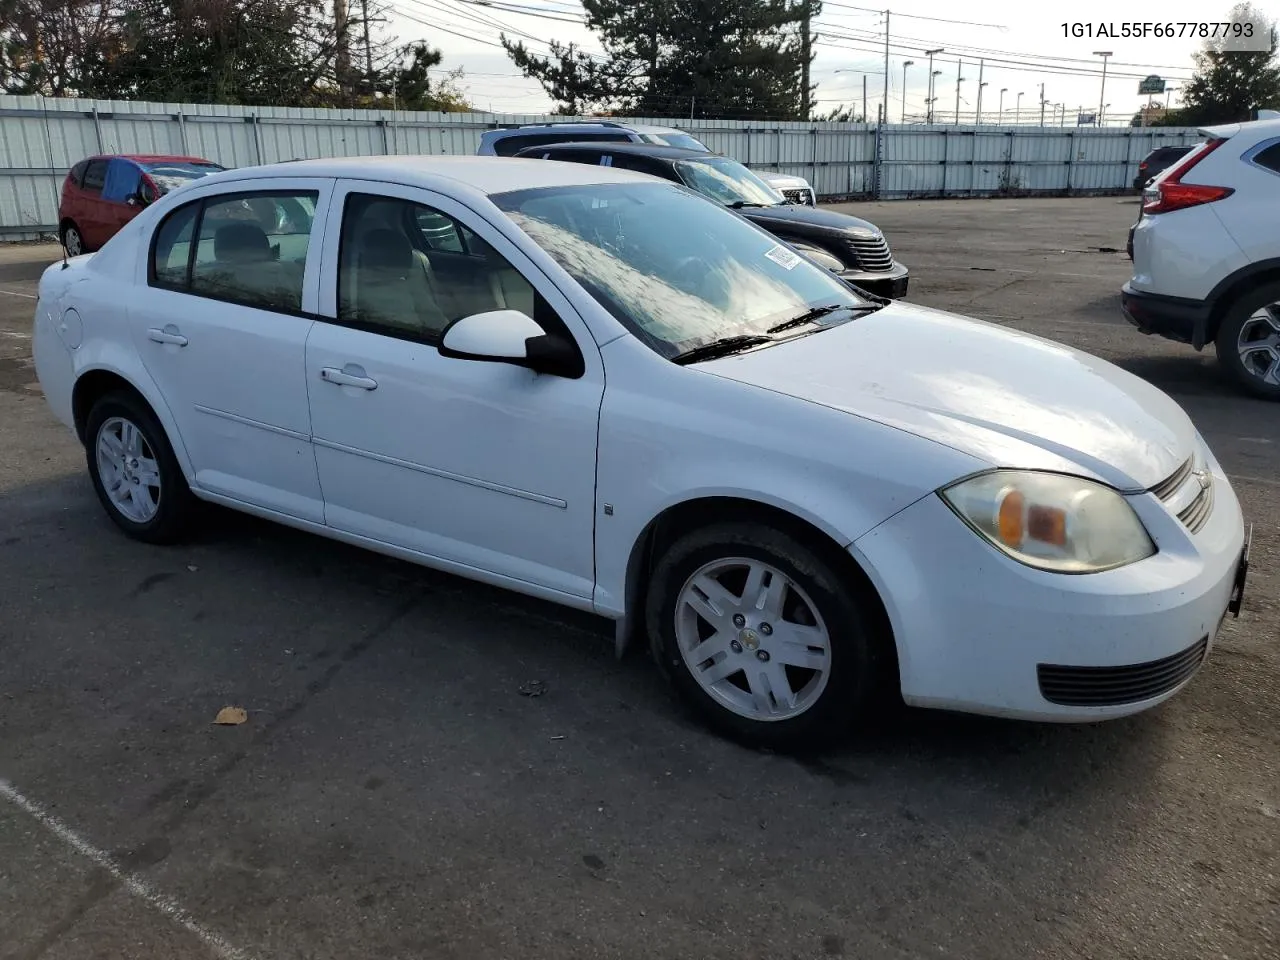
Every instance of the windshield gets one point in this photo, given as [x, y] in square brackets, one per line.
[677, 271]
[171, 175]
[727, 181]
[682, 140]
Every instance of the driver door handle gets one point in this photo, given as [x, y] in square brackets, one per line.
[343, 378]
[169, 334]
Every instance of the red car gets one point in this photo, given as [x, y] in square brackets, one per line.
[101, 194]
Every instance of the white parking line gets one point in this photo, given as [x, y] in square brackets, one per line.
[134, 885]
[15, 293]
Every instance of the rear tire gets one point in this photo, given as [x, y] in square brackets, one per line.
[73, 240]
[134, 471]
[764, 637]
[1248, 341]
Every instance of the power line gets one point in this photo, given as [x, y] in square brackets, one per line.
[915, 16]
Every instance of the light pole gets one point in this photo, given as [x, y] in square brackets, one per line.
[1043, 103]
[932, 74]
[1003, 91]
[981, 84]
[905, 64]
[959, 80]
[864, 88]
[1104, 54]
[1102, 120]
[1017, 113]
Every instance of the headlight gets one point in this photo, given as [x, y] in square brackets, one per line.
[1051, 521]
[821, 257]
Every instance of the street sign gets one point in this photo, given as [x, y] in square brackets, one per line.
[1151, 84]
[1086, 119]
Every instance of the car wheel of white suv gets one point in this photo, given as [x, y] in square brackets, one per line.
[764, 637]
[1248, 341]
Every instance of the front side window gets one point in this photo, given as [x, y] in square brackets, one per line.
[675, 270]
[249, 248]
[408, 270]
[124, 177]
[727, 181]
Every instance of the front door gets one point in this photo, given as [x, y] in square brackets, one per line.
[222, 328]
[483, 466]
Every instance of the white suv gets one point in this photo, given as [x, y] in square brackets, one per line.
[1206, 252]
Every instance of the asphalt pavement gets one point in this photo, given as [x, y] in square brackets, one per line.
[394, 794]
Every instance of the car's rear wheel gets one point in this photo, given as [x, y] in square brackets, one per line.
[763, 636]
[73, 240]
[134, 471]
[1248, 341]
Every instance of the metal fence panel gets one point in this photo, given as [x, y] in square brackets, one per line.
[41, 139]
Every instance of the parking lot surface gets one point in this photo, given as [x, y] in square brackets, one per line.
[394, 795]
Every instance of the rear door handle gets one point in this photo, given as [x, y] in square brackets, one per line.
[351, 376]
[169, 334]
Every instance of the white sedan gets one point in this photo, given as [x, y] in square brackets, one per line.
[602, 389]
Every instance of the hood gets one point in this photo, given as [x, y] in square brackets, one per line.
[1008, 398]
[810, 221]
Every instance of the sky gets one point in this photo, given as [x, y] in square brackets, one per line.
[1020, 44]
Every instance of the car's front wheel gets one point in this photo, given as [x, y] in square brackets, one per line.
[1248, 341]
[134, 471]
[764, 636]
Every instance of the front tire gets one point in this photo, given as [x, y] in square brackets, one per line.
[134, 471]
[1248, 341]
[764, 637]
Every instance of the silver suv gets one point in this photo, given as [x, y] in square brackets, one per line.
[508, 141]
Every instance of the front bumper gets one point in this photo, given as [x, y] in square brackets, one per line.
[891, 283]
[978, 632]
[1172, 317]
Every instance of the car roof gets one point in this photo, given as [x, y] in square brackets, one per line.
[488, 175]
[150, 158]
[640, 149]
[591, 124]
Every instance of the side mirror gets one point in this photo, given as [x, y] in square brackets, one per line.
[509, 336]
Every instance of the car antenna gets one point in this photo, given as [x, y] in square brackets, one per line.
[53, 171]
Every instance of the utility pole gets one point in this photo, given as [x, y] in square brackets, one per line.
[929, 54]
[886, 68]
[806, 106]
[864, 98]
[1042, 103]
[959, 71]
[342, 56]
[905, 64]
[368, 47]
[1102, 96]
[1003, 91]
[981, 83]
[1017, 111]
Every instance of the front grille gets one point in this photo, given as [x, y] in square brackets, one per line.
[797, 195]
[1188, 492]
[1113, 686]
[872, 253]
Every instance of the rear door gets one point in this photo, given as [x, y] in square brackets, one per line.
[89, 214]
[222, 326]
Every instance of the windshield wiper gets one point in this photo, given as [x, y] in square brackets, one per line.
[721, 348]
[818, 313]
[739, 204]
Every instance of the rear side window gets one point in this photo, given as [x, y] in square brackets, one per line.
[246, 248]
[1269, 157]
[77, 172]
[95, 175]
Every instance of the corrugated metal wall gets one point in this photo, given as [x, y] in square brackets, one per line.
[40, 140]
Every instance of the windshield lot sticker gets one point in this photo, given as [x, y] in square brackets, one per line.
[787, 259]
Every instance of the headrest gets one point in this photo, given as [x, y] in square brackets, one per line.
[384, 249]
[241, 243]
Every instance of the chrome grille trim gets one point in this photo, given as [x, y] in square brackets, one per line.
[872, 253]
[1169, 486]
[1197, 515]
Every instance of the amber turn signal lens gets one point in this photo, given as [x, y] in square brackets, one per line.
[1048, 525]
[1010, 518]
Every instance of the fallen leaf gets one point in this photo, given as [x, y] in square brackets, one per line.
[192, 568]
[231, 716]
[533, 688]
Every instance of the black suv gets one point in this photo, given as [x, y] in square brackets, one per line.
[849, 247]
[1156, 162]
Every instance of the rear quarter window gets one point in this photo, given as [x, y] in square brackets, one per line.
[1269, 157]
[95, 175]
